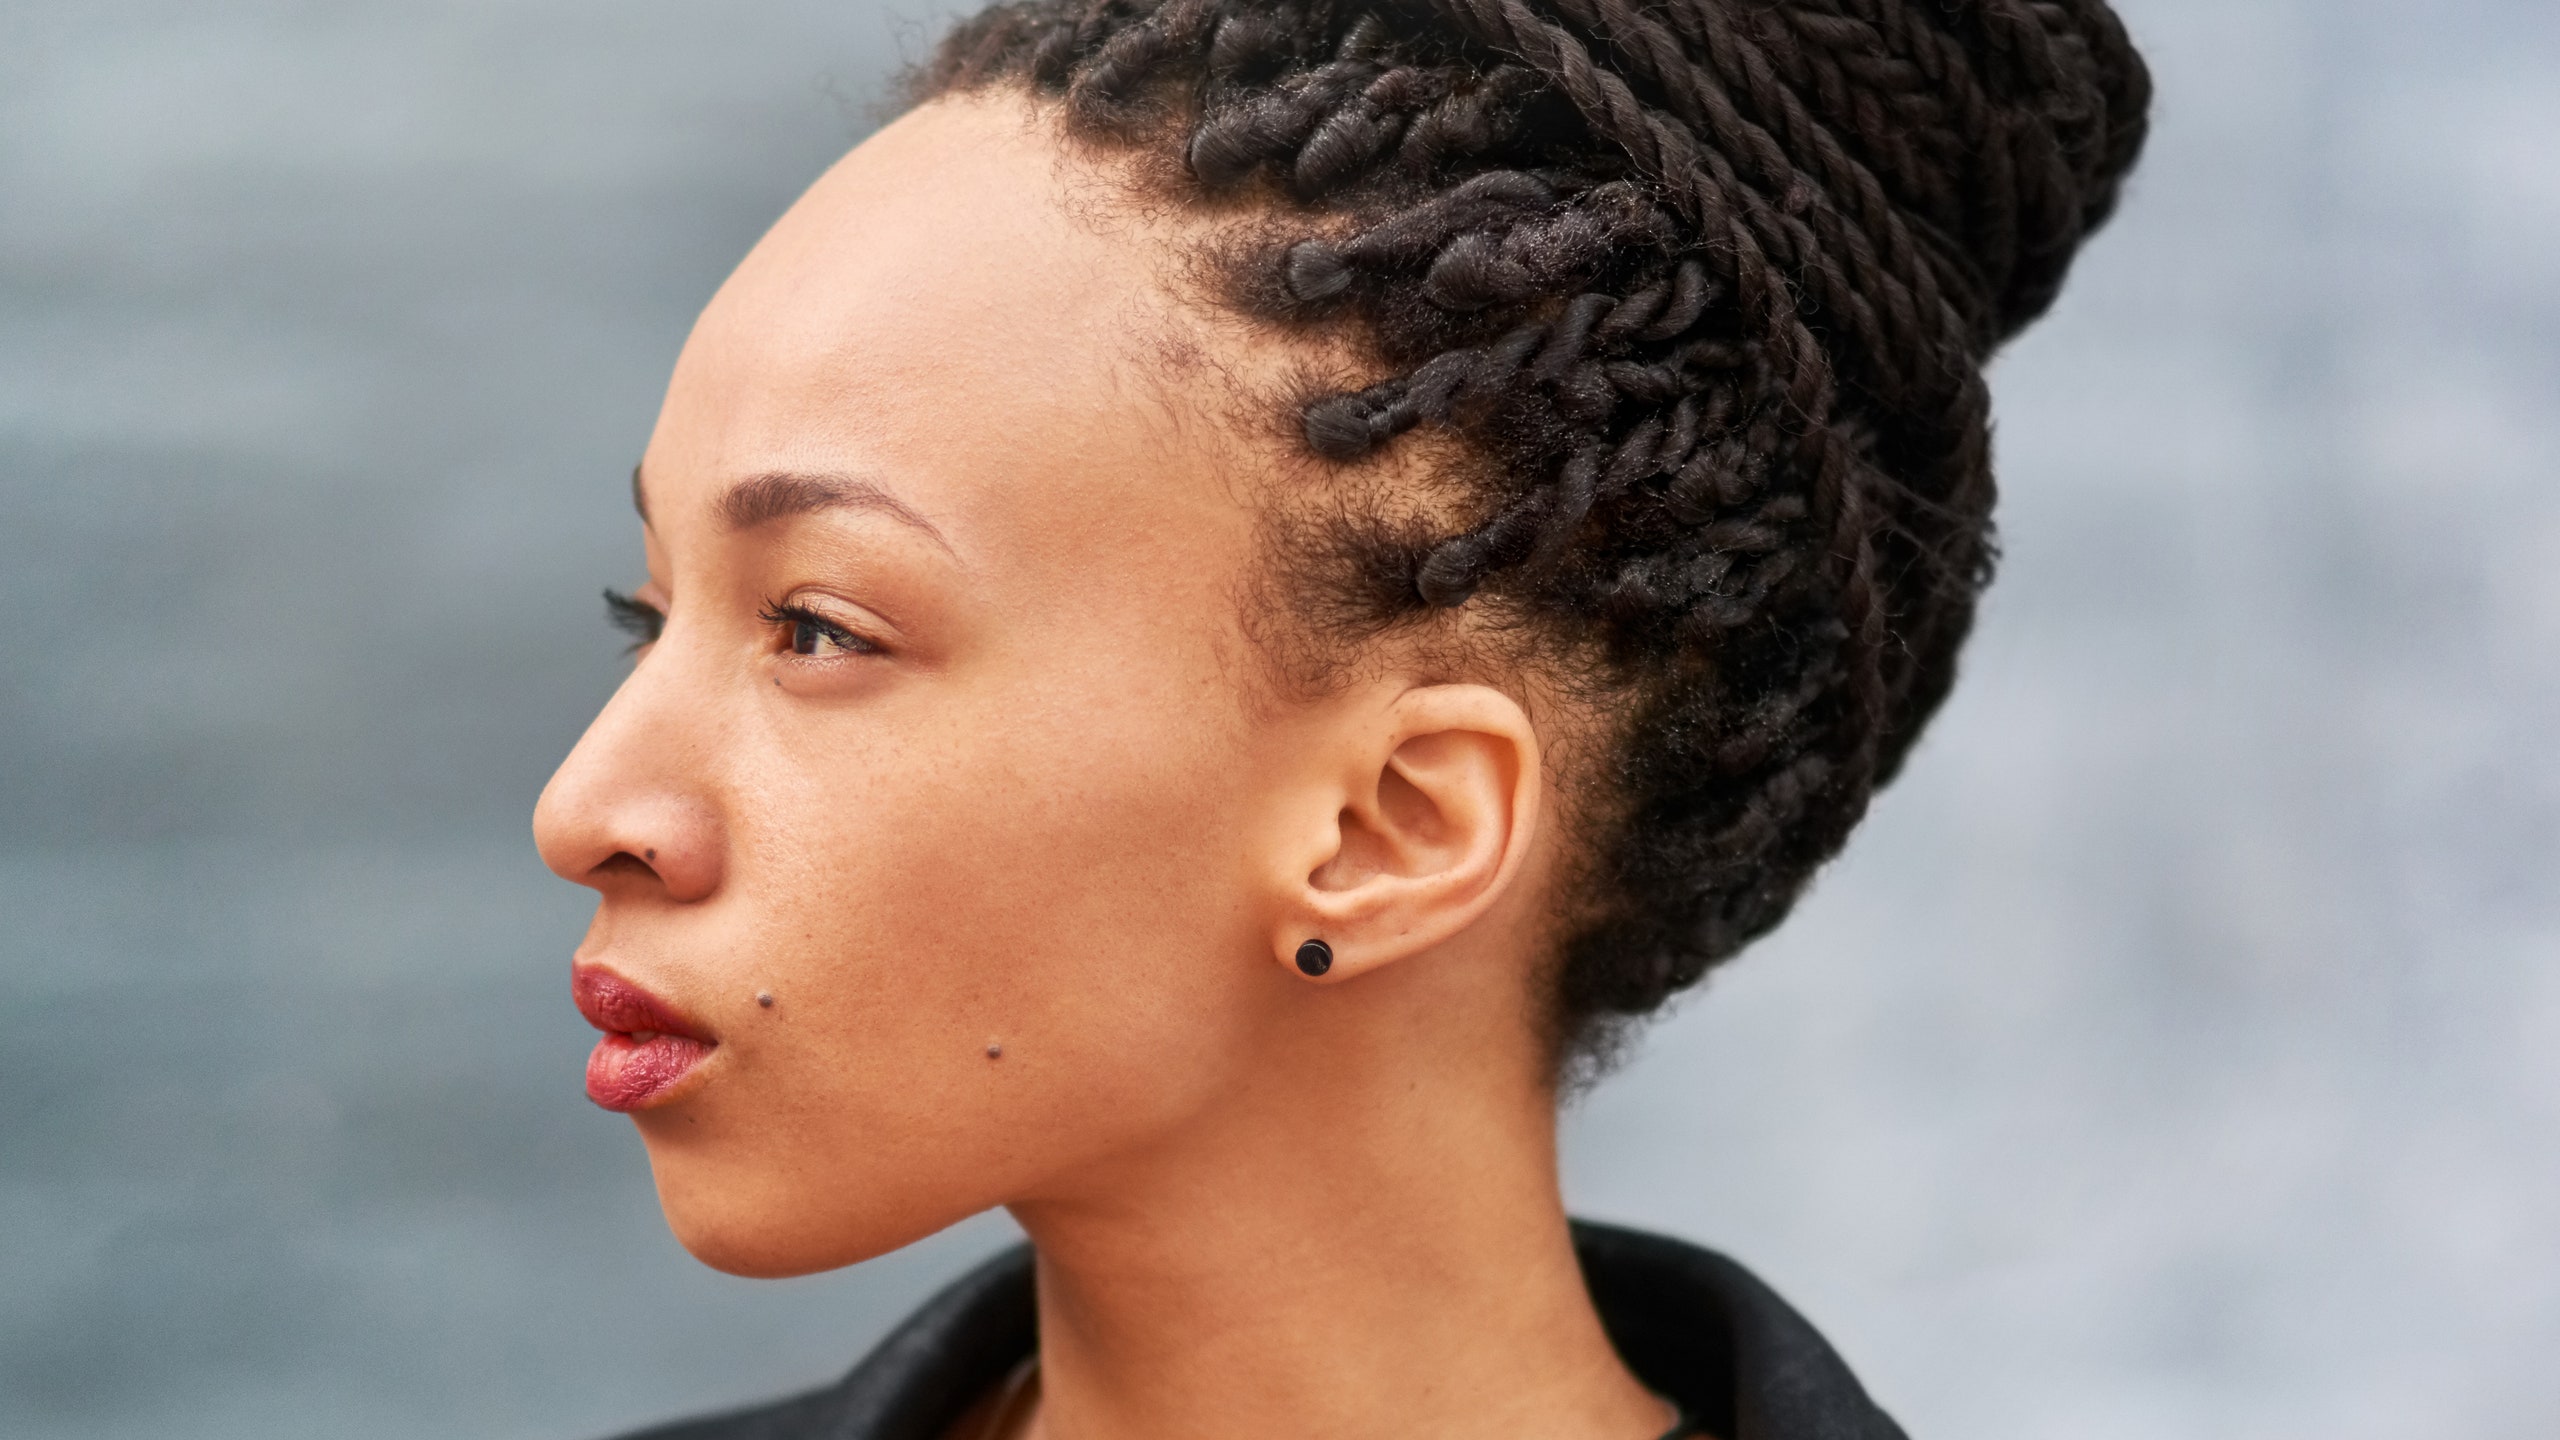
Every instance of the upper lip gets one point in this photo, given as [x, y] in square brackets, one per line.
[612, 1003]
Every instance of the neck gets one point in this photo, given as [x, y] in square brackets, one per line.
[1383, 1252]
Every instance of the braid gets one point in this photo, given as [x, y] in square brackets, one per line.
[1707, 287]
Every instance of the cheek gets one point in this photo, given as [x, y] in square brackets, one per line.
[1058, 882]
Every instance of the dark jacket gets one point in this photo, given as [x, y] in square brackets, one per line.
[1691, 1324]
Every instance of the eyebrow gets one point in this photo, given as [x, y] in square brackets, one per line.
[778, 495]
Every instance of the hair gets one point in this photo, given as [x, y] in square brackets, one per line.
[1705, 289]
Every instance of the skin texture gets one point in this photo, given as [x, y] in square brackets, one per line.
[1032, 794]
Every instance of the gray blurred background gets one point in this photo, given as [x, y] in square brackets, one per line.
[2176, 1052]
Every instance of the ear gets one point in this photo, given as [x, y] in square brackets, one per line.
[1424, 819]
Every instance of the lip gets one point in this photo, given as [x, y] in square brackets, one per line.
[648, 1044]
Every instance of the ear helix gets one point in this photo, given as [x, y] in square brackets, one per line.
[1314, 958]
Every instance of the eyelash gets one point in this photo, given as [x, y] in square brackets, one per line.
[645, 622]
[639, 619]
[807, 624]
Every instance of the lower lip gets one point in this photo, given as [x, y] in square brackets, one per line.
[627, 1074]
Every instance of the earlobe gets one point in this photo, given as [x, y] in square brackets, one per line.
[1433, 813]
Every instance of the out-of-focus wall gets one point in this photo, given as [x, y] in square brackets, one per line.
[2177, 1051]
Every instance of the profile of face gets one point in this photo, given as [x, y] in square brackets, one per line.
[954, 843]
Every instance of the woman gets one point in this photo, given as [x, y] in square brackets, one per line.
[1230, 599]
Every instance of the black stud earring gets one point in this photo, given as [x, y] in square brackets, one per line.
[1314, 958]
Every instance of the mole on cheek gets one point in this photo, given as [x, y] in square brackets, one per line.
[765, 998]
[995, 1052]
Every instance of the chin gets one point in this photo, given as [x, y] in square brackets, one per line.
[756, 1253]
[769, 1227]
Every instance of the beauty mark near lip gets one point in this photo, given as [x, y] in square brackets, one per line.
[647, 1046]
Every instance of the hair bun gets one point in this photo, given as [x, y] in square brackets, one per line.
[2072, 98]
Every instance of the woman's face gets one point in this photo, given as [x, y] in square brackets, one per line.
[936, 808]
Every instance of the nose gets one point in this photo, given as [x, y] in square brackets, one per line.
[633, 811]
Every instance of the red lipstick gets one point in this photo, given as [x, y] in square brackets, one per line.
[647, 1047]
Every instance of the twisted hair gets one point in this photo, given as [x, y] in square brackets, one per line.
[1706, 287]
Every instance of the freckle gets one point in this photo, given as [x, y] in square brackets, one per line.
[765, 998]
[995, 1052]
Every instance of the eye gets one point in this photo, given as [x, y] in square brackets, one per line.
[810, 633]
[639, 619]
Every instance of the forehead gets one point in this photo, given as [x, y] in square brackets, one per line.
[954, 305]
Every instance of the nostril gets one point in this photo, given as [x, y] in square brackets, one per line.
[623, 865]
[666, 846]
